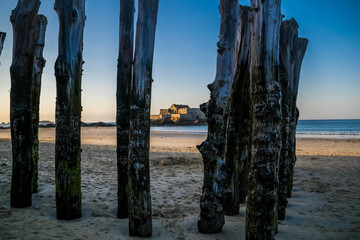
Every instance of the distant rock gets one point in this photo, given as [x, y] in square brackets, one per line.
[97, 124]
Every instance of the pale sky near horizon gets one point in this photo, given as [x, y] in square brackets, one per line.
[185, 57]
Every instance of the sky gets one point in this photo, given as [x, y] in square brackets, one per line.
[185, 57]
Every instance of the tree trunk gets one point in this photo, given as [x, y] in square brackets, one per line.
[68, 72]
[261, 211]
[126, 46]
[292, 51]
[23, 19]
[139, 197]
[2, 40]
[39, 64]
[239, 129]
[213, 150]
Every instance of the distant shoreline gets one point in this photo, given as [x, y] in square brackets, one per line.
[112, 124]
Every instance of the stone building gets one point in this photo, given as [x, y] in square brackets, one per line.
[179, 112]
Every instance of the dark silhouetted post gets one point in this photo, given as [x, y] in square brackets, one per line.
[139, 197]
[68, 71]
[39, 64]
[23, 19]
[213, 149]
[124, 74]
[239, 130]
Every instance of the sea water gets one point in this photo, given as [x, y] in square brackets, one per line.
[330, 128]
[349, 128]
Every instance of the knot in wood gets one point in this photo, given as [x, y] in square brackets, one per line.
[73, 15]
[221, 47]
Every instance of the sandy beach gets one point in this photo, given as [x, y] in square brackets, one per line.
[324, 203]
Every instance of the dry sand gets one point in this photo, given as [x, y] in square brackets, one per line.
[325, 202]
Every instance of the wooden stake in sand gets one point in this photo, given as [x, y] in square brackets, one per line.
[39, 64]
[68, 71]
[211, 218]
[23, 19]
[126, 46]
[261, 209]
[139, 198]
[239, 129]
[292, 51]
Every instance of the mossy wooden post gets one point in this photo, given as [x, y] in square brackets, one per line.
[139, 197]
[239, 129]
[292, 50]
[261, 208]
[126, 46]
[39, 64]
[2, 40]
[68, 72]
[213, 149]
[23, 20]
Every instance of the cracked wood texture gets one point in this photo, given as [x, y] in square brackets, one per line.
[213, 149]
[39, 64]
[68, 73]
[126, 46]
[292, 50]
[139, 197]
[2, 40]
[239, 128]
[23, 19]
[261, 208]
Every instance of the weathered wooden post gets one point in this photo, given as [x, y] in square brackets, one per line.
[213, 149]
[261, 209]
[68, 72]
[23, 20]
[292, 50]
[2, 40]
[139, 197]
[126, 46]
[39, 64]
[239, 129]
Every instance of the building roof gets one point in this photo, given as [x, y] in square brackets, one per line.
[177, 106]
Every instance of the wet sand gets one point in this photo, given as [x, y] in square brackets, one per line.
[324, 203]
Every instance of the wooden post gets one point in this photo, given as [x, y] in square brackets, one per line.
[139, 197]
[2, 40]
[39, 64]
[213, 150]
[68, 72]
[239, 129]
[261, 209]
[126, 46]
[23, 19]
[293, 55]
[292, 50]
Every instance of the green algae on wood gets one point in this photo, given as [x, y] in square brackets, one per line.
[68, 72]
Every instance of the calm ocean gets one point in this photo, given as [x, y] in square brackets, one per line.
[305, 128]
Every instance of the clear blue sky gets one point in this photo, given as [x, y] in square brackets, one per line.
[185, 56]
